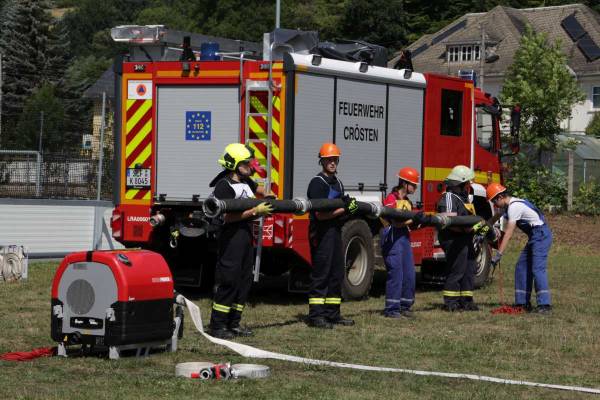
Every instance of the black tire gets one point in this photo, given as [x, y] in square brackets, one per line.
[359, 254]
[483, 267]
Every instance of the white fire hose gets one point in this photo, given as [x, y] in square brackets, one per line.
[253, 352]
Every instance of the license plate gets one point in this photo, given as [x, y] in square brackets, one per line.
[138, 178]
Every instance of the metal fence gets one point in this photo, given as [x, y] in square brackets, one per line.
[55, 176]
[584, 171]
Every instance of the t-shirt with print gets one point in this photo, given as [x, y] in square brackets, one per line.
[227, 188]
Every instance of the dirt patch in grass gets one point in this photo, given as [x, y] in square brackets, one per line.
[576, 230]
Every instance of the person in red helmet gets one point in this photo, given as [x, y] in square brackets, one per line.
[396, 249]
[325, 234]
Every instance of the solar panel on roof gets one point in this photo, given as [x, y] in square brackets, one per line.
[449, 32]
[573, 27]
[589, 48]
[419, 49]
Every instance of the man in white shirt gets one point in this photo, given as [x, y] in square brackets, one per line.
[531, 267]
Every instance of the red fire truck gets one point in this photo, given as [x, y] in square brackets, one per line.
[174, 119]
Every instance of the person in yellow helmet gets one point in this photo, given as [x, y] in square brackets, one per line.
[458, 242]
[233, 271]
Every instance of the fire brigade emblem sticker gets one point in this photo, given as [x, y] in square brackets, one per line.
[197, 125]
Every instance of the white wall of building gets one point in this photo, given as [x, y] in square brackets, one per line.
[582, 112]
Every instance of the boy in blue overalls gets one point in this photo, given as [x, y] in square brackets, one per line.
[397, 251]
[532, 264]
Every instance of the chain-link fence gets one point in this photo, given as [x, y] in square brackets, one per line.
[56, 176]
[83, 172]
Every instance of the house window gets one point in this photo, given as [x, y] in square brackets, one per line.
[596, 97]
[453, 54]
[464, 53]
[451, 118]
[467, 53]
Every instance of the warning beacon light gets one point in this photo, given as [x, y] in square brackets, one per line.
[142, 34]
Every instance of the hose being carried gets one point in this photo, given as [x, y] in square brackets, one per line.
[214, 207]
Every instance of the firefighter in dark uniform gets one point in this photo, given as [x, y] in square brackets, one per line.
[458, 242]
[233, 272]
[325, 294]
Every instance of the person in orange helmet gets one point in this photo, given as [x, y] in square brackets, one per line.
[396, 249]
[530, 271]
[325, 233]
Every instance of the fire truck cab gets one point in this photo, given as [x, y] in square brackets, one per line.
[174, 119]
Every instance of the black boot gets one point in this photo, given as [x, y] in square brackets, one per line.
[544, 309]
[526, 307]
[451, 307]
[341, 321]
[319, 322]
[238, 330]
[470, 306]
[221, 333]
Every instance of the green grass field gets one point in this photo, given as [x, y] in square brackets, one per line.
[562, 349]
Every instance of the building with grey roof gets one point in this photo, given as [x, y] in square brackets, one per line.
[459, 46]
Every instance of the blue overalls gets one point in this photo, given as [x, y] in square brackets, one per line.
[532, 264]
[398, 257]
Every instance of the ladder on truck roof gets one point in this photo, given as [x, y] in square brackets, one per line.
[253, 86]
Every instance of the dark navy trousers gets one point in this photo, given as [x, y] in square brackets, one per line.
[398, 257]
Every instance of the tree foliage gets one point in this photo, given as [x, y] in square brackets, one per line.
[31, 55]
[540, 81]
[587, 199]
[29, 125]
[536, 183]
[593, 127]
[70, 54]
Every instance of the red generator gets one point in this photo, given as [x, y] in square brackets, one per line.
[115, 301]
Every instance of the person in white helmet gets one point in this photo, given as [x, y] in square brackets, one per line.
[458, 242]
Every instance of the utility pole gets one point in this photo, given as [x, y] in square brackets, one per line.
[41, 131]
[101, 147]
[0, 100]
[277, 13]
[481, 55]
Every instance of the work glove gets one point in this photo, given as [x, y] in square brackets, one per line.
[350, 204]
[421, 218]
[263, 209]
[496, 258]
[481, 228]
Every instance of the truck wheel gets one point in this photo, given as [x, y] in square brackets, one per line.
[483, 265]
[359, 254]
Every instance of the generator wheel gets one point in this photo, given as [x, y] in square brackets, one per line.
[483, 259]
[359, 255]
